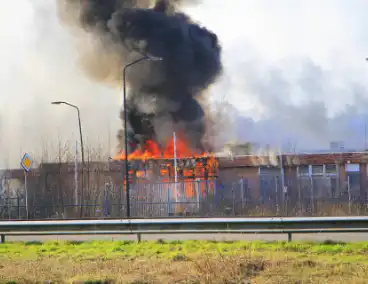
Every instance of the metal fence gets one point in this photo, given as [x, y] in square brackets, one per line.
[302, 196]
[12, 207]
[265, 195]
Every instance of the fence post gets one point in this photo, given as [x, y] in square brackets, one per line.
[312, 195]
[18, 205]
[277, 195]
[106, 200]
[242, 193]
[233, 194]
[300, 202]
[349, 194]
[169, 201]
[139, 237]
[2, 238]
[290, 237]
[286, 200]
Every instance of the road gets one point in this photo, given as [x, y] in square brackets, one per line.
[343, 237]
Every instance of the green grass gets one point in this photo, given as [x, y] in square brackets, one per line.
[168, 249]
[176, 261]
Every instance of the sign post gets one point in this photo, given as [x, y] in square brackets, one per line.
[26, 164]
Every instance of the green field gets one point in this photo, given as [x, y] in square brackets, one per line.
[183, 262]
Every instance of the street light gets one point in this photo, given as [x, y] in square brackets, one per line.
[146, 57]
[81, 141]
[365, 127]
[79, 123]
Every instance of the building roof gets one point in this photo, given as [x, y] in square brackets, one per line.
[294, 159]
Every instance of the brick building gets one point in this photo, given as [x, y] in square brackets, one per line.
[338, 171]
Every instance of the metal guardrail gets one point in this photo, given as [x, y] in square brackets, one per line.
[277, 225]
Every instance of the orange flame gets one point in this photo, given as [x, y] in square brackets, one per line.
[151, 150]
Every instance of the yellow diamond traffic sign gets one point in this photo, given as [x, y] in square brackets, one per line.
[26, 162]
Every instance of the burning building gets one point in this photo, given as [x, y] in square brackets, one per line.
[164, 96]
[174, 174]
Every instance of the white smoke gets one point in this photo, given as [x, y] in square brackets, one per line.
[38, 66]
[295, 70]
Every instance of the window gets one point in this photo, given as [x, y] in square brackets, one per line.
[331, 169]
[352, 168]
[269, 171]
[317, 170]
[303, 170]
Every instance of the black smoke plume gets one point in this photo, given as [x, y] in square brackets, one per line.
[164, 96]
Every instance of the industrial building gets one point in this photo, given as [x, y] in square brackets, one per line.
[238, 182]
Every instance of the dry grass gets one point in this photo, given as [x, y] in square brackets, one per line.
[183, 262]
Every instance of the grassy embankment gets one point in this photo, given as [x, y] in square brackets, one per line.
[183, 262]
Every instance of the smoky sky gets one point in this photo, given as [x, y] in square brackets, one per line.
[164, 95]
[42, 56]
[296, 100]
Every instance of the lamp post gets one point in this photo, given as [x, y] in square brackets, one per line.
[81, 140]
[146, 57]
[365, 127]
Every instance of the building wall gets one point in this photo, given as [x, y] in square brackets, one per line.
[250, 174]
[316, 184]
